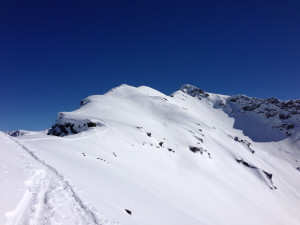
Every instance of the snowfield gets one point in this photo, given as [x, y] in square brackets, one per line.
[136, 156]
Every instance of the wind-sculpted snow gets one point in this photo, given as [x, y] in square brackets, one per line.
[139, 156]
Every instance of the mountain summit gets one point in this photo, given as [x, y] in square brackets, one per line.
[252, 115]
[138, 156]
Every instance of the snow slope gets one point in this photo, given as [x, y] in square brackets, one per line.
[137, 156]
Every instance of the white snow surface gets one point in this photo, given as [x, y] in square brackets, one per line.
[175, 159]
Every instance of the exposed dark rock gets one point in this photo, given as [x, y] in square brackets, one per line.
[128, 211]
[251, 107]
[247, 143]
[15, 133]
[221, 104]
[161, 144]
[91, 124]
[233, 99]
[269, 175]
[149, 134]
[284, 116]
[267, 179]
[290, 126]
[193, 91]
[195, 149]
[201, 150]
[70, 128]
[171, 150]
[62, 129]
[246, 163]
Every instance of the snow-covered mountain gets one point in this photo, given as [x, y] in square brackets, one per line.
[137, 156]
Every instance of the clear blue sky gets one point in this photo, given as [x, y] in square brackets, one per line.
[55, 53]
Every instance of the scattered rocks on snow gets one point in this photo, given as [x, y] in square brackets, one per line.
[247, 143]
[200, 150]
[171, 150]
[199, 139]
[263, 175]
[246, 164]
[101, 159]
[68, 128]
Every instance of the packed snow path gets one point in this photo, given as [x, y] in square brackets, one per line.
[49, 198]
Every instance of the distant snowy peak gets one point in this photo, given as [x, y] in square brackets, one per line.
[271, 107]
[283, 115]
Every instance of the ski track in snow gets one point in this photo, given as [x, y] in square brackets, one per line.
[50, 199]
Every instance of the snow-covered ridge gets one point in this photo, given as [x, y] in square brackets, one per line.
[137, 156]
[283, 116]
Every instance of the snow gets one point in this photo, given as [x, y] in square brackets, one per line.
[138, 157]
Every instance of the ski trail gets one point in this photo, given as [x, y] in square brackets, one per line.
[50, 199]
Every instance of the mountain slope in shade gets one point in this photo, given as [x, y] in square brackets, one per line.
[137, 156]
